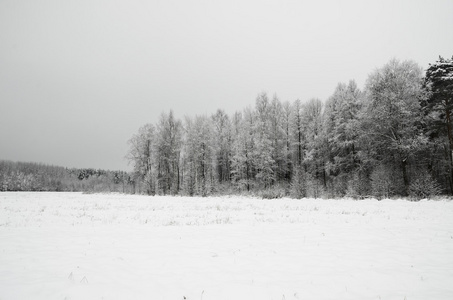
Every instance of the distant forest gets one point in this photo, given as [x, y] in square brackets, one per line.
[394, 138]
[27, 176]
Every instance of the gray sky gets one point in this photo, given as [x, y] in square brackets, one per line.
[78, 78]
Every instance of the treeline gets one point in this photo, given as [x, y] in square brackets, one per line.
[393, 138]
[25, 176]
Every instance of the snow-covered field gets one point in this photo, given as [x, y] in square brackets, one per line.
[76, 246]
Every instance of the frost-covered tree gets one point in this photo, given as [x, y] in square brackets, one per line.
[286, 167]
[168, 148]
[199, 157]
[341, 133]
[188, 162]
[297, 150]
[314, 159]
[222, 143]
[243, 157]
[263, 148]
[278, 137]
[391, 123]
[438, 107]
[298, 132]
[141, 155]
[238, 151]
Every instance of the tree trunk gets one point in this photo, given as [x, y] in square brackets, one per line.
[299, 148]
[450, 141]
[405, 178]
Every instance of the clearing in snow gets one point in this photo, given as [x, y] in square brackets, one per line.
[78, 246]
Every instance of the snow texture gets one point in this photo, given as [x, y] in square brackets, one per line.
[77, 246]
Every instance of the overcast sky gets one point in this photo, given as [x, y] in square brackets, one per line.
[78, 78]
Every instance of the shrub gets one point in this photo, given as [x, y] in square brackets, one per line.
[299, 184]
[424, 186]
[273, 193]
[315, 188]
[386, 181]
[358, 186]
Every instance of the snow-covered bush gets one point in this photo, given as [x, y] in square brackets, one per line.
[386, 181]
[299, 184]
[273, 193]
[424, 186]
[358, 186]
[315, 188]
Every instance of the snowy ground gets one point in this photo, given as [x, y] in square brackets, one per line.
[75, 246]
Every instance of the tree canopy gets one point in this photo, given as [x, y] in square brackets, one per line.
[381, 141]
